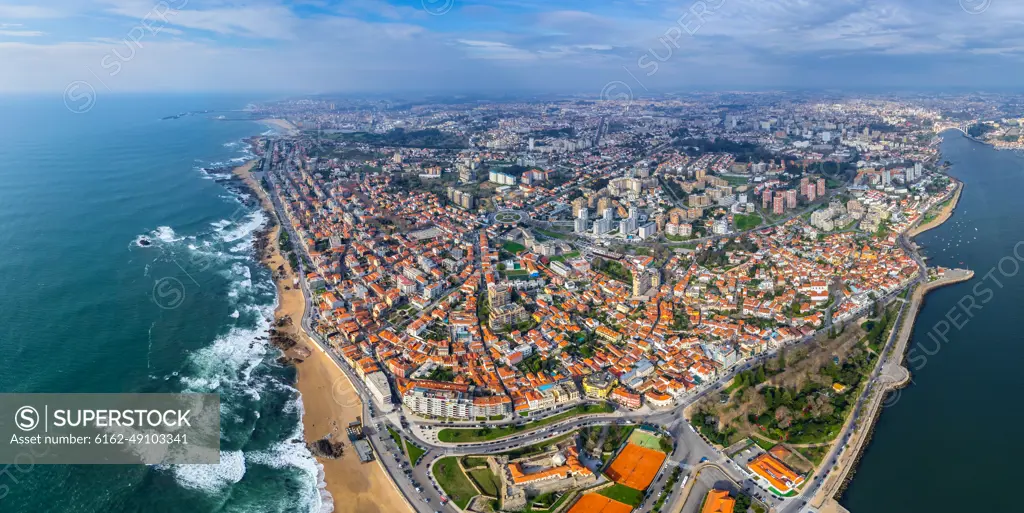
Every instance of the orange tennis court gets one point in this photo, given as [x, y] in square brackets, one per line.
[636, 466]
[594, 503]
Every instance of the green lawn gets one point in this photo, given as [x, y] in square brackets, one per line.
[762, 443]
[486, 481]
[623, 494]
[567, 256]
[617, 271]
[508, 217]
[473, 462]
[513, 247]
[733, 386]
[486, 434]
[454, 482]
[679, 238]
[815, 454]
[736, 180]
[541, 502]
[536, 448]
[747, 222]
[395, 436]
[645, 439]
[414, 452]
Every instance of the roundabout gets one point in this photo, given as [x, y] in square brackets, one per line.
[510, 217]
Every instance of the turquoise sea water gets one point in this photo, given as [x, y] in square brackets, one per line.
[86, 309]
[951, 440]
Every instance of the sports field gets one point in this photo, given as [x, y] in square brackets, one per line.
[645, 439]
[636, 466]
[594, 503]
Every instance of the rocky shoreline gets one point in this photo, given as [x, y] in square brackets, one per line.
[328, 398]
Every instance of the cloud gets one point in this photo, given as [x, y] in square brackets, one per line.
[256, 20]
[562, 45]
[24, 12]
[495, 50]
[21, 33]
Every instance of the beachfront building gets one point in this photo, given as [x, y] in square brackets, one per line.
[377, 384]
[451, 400]
[492, 407]
[436, 399]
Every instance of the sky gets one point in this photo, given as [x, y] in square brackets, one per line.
[602, 47]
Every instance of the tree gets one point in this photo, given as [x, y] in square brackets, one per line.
[820, 406]
[665, 445]
[754, 401]
[787, 396]
[784, 417]
[742, 503]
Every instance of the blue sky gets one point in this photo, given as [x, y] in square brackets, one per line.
[318, 46]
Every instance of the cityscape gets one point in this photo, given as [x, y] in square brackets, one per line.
[680, 304]
[510, 256]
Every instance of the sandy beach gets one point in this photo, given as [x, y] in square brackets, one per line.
[943, 216]
[283, 124]
[329, 400]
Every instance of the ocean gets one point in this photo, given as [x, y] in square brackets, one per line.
[950, 441]
[86, 308]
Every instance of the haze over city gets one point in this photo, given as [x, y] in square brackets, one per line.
[467, 46]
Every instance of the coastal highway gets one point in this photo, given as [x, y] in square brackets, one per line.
[828, 463]
[413, 483]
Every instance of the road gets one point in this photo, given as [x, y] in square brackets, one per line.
[407, 480]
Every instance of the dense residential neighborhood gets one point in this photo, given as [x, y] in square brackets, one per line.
[498, 263]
